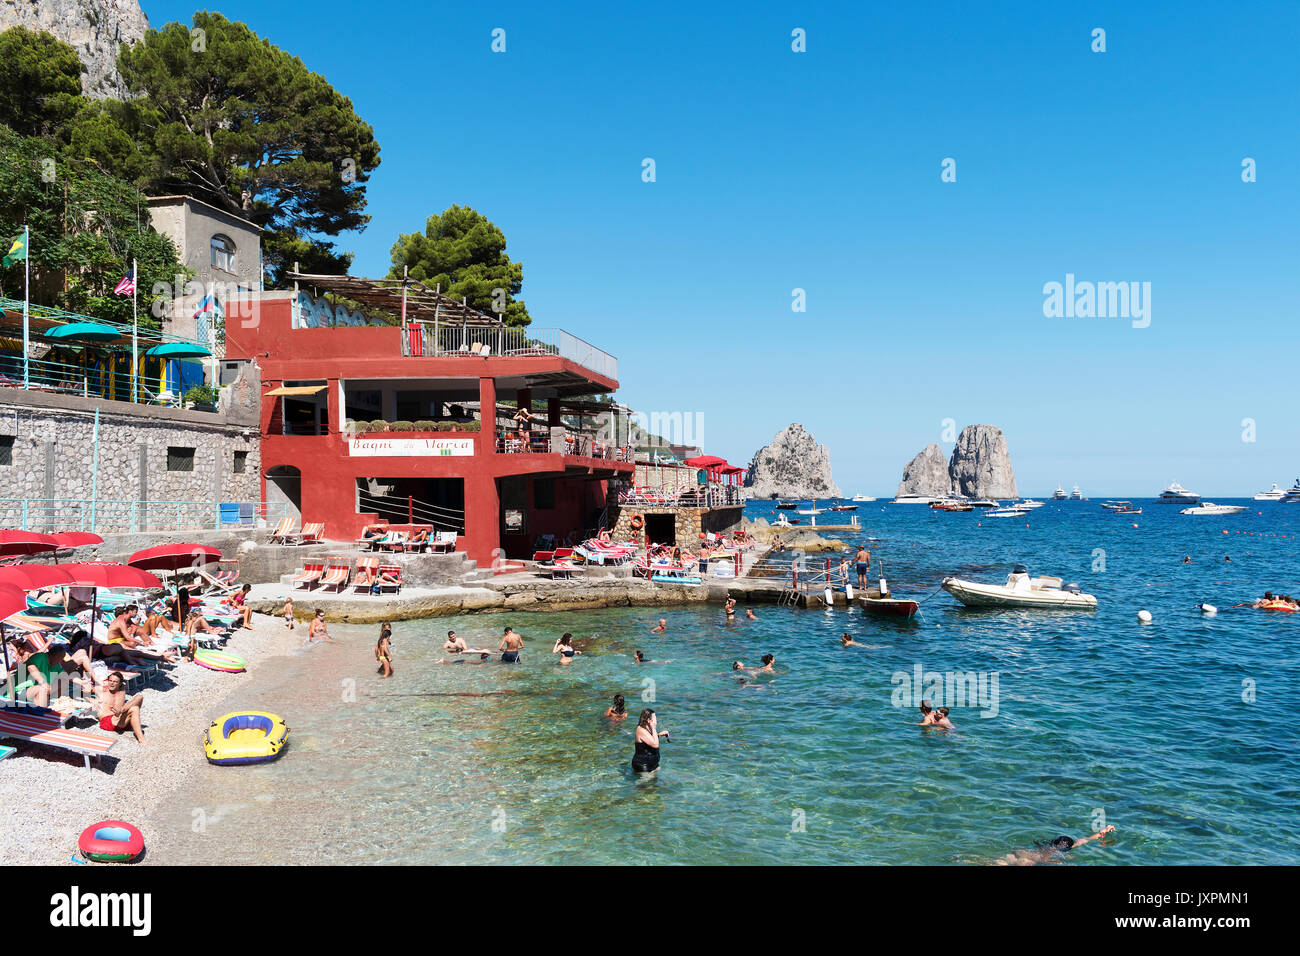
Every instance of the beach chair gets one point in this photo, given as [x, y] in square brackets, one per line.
[214, 581]
[283, 531]
[444, 542]
[367, 572]
[312, 533]
[336, 575]
[562, 564]
[395, 541]
[46, 728]
[311, 572]
[389, 578]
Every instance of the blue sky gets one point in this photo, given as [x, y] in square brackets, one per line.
[821, 170]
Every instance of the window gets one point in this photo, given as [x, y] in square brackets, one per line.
[241, 462]
[223, 253]
[180, 459]
[6, 449]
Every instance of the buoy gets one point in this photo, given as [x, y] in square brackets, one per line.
[1135, 524]
[1209, 610]
[1144, 617]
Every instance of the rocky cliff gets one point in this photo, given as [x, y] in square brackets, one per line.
[94, 28]
[926, 474]
[793, 466]
[980, 467]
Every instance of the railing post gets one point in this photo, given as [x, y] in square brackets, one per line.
[24, 514]
[133, 516]
[410, 509]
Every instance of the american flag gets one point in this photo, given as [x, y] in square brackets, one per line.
[127, 285]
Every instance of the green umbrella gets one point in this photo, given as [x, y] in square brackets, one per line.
[84, 331]
[178, 350]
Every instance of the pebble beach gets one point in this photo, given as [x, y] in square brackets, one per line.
[49, 796]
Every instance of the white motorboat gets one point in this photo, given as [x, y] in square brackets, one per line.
[1059, 494]
[1176, 494]
[1210, 508]
[1273, 494]
[912, 498]
[981, 502]
[1028, 504]
[814, 510]
[862, 498]
[1077, 495]
[1021, 591]
[1293, 495]
[1011, 512]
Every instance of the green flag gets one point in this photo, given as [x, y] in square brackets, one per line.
[17, 249]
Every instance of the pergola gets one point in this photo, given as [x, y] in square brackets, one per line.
[406, 298]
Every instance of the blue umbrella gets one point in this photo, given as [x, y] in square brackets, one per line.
[178, 350]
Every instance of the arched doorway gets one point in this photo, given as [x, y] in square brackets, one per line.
[284, 492]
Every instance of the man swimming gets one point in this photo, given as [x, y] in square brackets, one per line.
[660, 627]
[510, 646]
[847, 641]
[1048, 851]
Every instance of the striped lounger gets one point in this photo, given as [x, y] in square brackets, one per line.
[46, 727]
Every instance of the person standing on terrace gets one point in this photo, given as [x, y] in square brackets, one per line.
[524, 422]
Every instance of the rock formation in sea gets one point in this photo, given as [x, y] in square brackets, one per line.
[94, 28]
[981, 465]
[926, 474]
[792, 466]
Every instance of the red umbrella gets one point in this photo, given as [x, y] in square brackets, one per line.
[33, 577]
[25, 542]
[105, 574]
[12, 601]
[175, 557]
[76, 539]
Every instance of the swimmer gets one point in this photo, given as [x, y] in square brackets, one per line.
[564, 647]
[316, 630]
[384, 651]
[646, 757]
[766, 667]
[730, 608]
[510, 646]
[928, 716]
[454, 643]
[618, 709]
[847, 641]
[749, 614]
[660, 627]
[1048, 851]
[941, 718]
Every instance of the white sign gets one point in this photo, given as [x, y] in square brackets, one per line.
[411, 447]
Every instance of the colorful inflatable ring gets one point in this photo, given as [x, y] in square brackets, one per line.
[219, 661]
[1276, 606]
[637, 522]
[111, 841]
[251, 736]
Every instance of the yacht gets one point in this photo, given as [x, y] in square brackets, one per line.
[1059, 494]
[912, 498]
[862, 498]
[1176, 494]
[1077, 495]
[982, 503]
[1020, 591]
[1210, 508]
[1293, 495]
[1273, 494]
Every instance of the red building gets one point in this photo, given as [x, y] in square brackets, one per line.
[362, 421]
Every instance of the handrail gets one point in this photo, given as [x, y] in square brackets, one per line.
[134, 516]
[470, 341]
[445, 519]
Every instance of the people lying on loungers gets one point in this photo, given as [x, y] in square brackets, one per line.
[116, 713]
[120, 642]
[197, 624]
[33, 667]
[419, 541]
[371, 533]
[78, 650]
[178, 606]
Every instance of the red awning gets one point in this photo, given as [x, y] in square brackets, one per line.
[706, 461]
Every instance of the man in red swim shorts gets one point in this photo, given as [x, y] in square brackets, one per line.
[116, 713]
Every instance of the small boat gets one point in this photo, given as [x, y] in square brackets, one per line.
[245, 737]
[842, 508]
[1020, 591]
[861, 498]
[873, 602]
[1273, 494]
[982, 503]
[786, 506]
[1210, 508]
[814, 510]
[1059, 494]
[912, 498]
[1006, 513]
[1176, 494]
[1028, 504]
[1122, 508]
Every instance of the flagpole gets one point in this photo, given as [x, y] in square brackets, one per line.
[27, 295]
[135, 336]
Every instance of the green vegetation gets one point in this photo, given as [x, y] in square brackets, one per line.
[461, 251]
[40, 82]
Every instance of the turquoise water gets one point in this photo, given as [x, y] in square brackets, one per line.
[1095, 713]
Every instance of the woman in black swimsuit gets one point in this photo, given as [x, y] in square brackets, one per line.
[564, 647]
[646, 758]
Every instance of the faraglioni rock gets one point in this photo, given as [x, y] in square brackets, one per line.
[96, 29]
[793, 466]
[926, 474]
[981, 465]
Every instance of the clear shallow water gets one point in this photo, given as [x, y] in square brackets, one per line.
[492, 763]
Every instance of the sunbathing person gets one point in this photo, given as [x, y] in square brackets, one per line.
[372, 533]
[197, 624]
[36, 665]
[239, 600]
[419, 541]
[116, 713]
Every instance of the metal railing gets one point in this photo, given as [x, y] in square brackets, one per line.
[712, 497]
[66, 379]
[109, 516]
[412, 511]
[511, 442]
[489, 341]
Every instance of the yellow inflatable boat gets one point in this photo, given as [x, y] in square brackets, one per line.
[245, 737]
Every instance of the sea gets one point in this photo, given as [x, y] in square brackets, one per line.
[1181, 733]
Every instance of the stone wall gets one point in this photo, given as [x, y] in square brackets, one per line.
[52, 457]
[688, 523]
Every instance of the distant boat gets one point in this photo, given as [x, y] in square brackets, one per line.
[912, 498]
[1077, 495]
[786, 505]
[842, 508]
[1006, 513]
[863, 498]
[1210, 508]
[1176, 494]
[1059, 494]
[1273, 494]
[814, 510]
[1028, 504]
[982, 503]
[1020, 591]
[1122, 508]
[1293, 495]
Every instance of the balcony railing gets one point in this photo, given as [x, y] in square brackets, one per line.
[445, 341]
[715, 496]
[107, 515]
[65, 379]
[512, 442]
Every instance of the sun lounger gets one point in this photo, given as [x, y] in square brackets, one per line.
[41, 728]
[214, 581]
[336, 575]
[283, 531]
[311, 533]
[310, 573]
[395, 541]
[367, 571]
[390, 578]
[444, 542]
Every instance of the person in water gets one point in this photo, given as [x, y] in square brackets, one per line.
[646, 757]
[618, 709]
[639, 657]
[928, 716]
[455, 644]
[510, 646]
[660, 627]
[384, 651]
[1048, 851]
[765, 668]
[564, 647]
[846, 640]
[730, 608]
[316, 631]
[750, 615]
